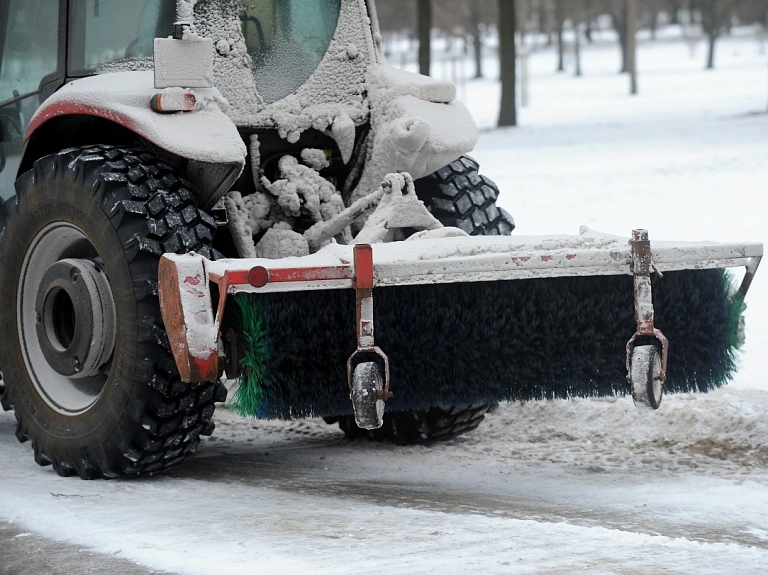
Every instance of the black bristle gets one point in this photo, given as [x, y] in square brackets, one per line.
[484, 342]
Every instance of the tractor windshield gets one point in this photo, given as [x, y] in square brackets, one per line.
[106, 34]
[286, 40]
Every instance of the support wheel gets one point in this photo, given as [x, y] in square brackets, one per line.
[645, 376]
[366, 382]
[460, 197]
[87, 367]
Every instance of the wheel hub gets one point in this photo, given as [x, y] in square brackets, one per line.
[75, 318]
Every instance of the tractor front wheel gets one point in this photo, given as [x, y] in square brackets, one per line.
[86, 363]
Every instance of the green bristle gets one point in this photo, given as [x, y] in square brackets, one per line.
[250, 393]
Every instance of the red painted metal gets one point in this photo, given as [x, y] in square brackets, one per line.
[258, 276]
[288, 275]
[72, 108]
[363, 267]
[173, 290]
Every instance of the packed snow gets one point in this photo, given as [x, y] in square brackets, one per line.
[594, 486]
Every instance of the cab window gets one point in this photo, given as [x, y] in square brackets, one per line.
[29, 64]
[30, 48]
[115, 34]
[286, 40]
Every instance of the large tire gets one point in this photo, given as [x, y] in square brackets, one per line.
[458, 196]
[80, 256]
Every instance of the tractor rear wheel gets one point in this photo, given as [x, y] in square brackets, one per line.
[86, 363]
[418, 427]
[458, 196]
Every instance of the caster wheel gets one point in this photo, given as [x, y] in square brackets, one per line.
[645, 376]
[366, 381]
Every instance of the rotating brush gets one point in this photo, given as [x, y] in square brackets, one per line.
[482, 342]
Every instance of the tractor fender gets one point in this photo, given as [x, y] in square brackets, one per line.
[205, 136]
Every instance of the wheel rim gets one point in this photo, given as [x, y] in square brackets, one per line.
[66, 318]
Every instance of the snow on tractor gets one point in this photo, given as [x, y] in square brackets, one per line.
[194, 191]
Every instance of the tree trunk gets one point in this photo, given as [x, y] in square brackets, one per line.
[711, 39]
[424, 27]
[549, 19]
[620, 24]
[577, 49]
[560, 22]
[577, 22]
[712, 27]
[507, 63]
[474, 12]
[675, 14]
[632, 45]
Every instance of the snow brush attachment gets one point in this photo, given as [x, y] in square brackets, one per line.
[482, 342]
[458, 320]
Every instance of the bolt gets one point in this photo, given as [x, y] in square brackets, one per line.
[78, 367]
[38, 317]
[73, 276]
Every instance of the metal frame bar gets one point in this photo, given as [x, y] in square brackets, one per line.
[364, 326]
[642, 267]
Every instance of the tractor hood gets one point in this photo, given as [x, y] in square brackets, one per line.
[418, 125]
[403, 83]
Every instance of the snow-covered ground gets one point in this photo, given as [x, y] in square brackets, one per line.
[593, 486]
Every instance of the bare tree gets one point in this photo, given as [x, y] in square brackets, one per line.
[396, 15]
[618, 13]
[559, 25]
[424, 32]
[715, 20]
[469, 20]
[632, 45]
[507, 63]
[476, 21]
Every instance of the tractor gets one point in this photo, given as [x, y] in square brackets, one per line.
[159, 157]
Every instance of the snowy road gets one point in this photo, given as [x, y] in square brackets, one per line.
[550, 487]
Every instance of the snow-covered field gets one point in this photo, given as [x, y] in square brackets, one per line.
[589, 486]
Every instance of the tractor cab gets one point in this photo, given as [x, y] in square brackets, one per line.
[264, 51]
[45, 43]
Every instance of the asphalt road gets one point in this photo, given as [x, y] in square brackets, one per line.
[25, 553]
